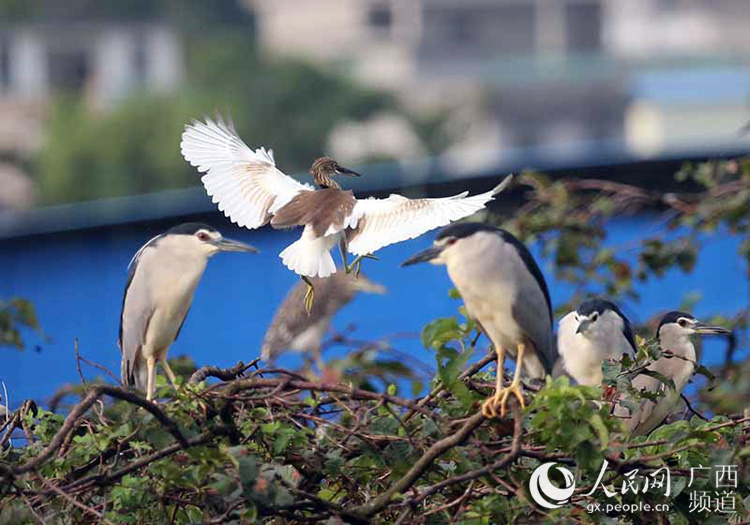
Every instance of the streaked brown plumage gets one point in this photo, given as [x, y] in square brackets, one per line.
[322, 209]
[293, 329]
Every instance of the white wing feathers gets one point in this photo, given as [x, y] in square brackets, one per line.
[380, 222]
[245, 184]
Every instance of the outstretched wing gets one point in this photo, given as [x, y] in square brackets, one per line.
[244, 183]
[380, 222]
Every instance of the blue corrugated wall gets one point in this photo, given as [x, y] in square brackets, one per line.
[76, 280]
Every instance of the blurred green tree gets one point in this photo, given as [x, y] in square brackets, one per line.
[287, 105]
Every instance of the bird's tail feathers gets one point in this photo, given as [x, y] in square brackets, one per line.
[309, 257]
[134, 374]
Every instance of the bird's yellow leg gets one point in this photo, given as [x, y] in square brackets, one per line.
[515, 387]
[170, 375]
[357, 262]
[151, 369]
[309, 294]
[488, 407]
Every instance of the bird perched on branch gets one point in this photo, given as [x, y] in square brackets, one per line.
[162, 279]
[506, 293]
[673, 334]
[596, 331]
[250, 190]
[294, 329]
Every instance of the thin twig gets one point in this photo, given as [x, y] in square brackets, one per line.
[74, 501]
[424, 462]
[501, 463]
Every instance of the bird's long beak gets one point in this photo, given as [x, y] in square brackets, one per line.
[707, 329]
[583, 326]
[346, 171]
[423, 256]
[229, 245]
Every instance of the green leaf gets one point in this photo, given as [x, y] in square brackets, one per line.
[601, 430]
[283, 437]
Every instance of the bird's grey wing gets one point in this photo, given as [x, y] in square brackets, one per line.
[533, 308]
[132, 266]
[380, 222]
[244, 183]
[181, 325]
[137, 310]
[644, 407]
[532, 314]
[627, 330]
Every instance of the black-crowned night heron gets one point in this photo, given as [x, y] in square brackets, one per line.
[506, 293]
[673, 333]
[596, 331]
[252, 192]
[292, 328]
[162, 279]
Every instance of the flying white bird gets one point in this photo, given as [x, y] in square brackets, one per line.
[252, 191]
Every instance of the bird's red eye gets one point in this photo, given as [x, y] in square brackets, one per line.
[451, 241]
[203, 236]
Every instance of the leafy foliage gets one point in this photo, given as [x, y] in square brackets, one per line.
[133, 148]
[16, 315]
[271, 446]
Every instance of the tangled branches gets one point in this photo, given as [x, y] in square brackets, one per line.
[272, 445]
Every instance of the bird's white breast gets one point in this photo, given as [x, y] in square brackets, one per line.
[173, 278]
[482, 272]
[583, 353]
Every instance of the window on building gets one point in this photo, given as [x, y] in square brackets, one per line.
[477, 31]
[68, 69]
[583, 26]
[4, 63]
[497, 29]
[380, 17]
[667, 6]
[140, 65]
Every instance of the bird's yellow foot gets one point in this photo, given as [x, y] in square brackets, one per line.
[500, 399]
[356, 264]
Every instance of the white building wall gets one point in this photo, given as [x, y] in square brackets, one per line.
[165, 60]
[112, 69]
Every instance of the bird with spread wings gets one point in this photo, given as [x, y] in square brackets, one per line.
[252, 192]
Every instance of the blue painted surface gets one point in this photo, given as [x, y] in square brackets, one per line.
[76, 280]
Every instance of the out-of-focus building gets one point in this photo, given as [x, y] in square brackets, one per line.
[104, 61]
[559, 76]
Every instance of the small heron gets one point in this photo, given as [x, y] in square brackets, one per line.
[596, 331]
[294, 329]
[673, 334]
[250, 190]
[162, 279]
[506, 293]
